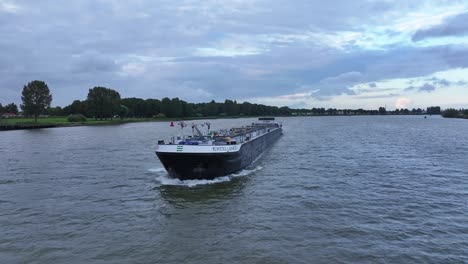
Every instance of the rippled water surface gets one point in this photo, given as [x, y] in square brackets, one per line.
[331, 190]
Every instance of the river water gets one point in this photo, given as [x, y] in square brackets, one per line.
[386, 189]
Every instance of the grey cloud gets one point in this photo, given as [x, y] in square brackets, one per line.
[337, 85]
[423, 88]
[440, 82]
[347, 78]
[432, 84]
[94, 63]
[377, 96]
[372, 90]
[328, 92]
[409, 62]
[454, 26]
[427, 88]
[80, 44]
[372, 85]
[411, 88]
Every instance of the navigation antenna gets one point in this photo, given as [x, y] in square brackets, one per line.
[195, 128]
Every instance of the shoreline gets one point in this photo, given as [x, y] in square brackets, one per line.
[456, 117]
[39, 125]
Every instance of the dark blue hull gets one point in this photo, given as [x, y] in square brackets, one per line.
[189, 166]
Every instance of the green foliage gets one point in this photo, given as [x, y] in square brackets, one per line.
[231, 108]
[76, 118]
[36, 98]
[123, 112]
[433, 110]
[382, 110]
[103, 102]
[176, 108]
[9, 108]
[211, 109]
[77, 107]
[141, 108]
[55, 111]
[451, 113]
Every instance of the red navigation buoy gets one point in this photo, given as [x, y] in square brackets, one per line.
[172, 124]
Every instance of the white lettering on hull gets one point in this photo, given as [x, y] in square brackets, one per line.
[224, 149]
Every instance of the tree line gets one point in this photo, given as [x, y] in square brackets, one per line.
[455, 113]
[105, 103]
[9, 108]
[36, 99]
[175, 107]
[433, 110]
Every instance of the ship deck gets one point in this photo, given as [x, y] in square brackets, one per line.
[233, 136]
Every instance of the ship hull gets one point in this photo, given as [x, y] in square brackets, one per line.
[190, 166]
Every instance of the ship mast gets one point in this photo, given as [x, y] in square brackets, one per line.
[195, 128]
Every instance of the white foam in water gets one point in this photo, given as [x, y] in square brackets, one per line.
[164, 178]
[157, 170]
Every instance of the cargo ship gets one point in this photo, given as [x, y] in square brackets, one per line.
[216, 153]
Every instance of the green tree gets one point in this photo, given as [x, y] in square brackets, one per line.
[103, 102]
[11, 108]
[231, 108]
[177, 107]
[136, 107]
[166, 107]
[188, 109]
[123, 112]
[246, 108]
[451, 113]
[433, 110]
[382, 110]
[77, 107]
[211, 109]
[284, 110]
[55, 111]
[152, 107]
[36, 98]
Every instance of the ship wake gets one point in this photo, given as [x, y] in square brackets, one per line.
[163, 178]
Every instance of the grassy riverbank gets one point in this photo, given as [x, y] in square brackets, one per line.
[62, 121]
[28, 123]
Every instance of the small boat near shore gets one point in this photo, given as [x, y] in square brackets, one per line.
[216, 153]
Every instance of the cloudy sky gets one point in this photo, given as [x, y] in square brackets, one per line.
[300, 53]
